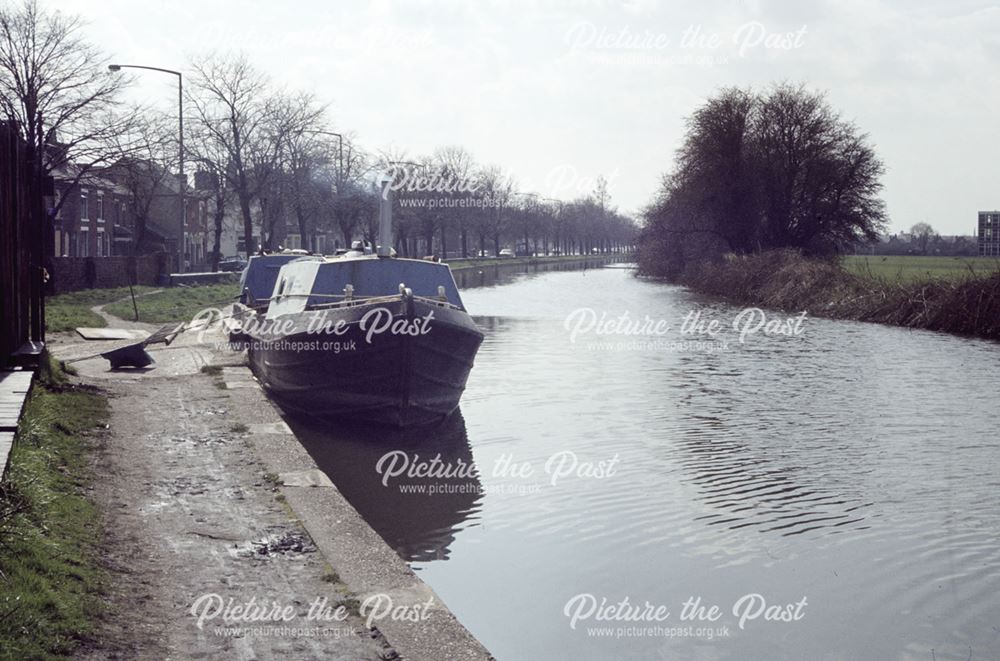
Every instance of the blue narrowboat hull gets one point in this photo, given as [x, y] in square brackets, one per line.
[412, 372]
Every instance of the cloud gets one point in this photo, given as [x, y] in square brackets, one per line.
[504, 79]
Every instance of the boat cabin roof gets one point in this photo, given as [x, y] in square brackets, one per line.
[259, 277]
[301, 282]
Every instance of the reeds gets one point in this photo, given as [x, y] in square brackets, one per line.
[784, 279]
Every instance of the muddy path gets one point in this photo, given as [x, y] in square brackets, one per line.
[190, 512]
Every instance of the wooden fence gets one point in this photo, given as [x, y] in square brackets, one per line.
[22, 235]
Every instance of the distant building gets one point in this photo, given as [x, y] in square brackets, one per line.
[989, 233]
[92, 218]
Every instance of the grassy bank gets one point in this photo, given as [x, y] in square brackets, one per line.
[68, 311]
[176, 303]
[913, 268]
[965, 305]
[49, 531]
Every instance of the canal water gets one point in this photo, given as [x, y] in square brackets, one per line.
[831, 488]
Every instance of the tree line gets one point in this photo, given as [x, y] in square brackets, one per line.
[760, 170]
[267, 156]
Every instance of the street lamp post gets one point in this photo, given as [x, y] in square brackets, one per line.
[180, 139]
[340, 160]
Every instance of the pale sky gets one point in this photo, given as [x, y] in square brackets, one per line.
[560, 92]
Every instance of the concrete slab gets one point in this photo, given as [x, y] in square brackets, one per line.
[112, 334]
[231, 385]
[280, 427]
[306, 478]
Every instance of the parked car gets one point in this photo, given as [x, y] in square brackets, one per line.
[483, 254]
[232, 264]
[506, 253]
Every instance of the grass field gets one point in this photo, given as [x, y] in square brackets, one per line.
[912, 268]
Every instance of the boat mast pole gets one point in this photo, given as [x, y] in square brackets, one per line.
[385, 221]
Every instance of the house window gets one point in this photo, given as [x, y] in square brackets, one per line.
[70, 247]
[100, 242]
[83, 246]
[84, 209]
[100, 207]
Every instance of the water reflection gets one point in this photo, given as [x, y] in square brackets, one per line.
[417, 516]
[492, 275]
[855, 464]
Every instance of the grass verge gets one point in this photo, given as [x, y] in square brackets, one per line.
[783, 279]
[68, 311]
[176, 303]
[50, 582]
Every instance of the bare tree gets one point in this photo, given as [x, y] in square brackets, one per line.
[922, 234]
[500, 189]
[308, 164]
[355, 200]
[283, 149]
[456, 165]
[55, 88]
[146, 155]
[251, 126]
[228, 96]
[211, 158]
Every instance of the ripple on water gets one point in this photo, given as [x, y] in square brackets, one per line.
[855, 463]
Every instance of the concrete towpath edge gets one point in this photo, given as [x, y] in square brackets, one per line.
[362, 559]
